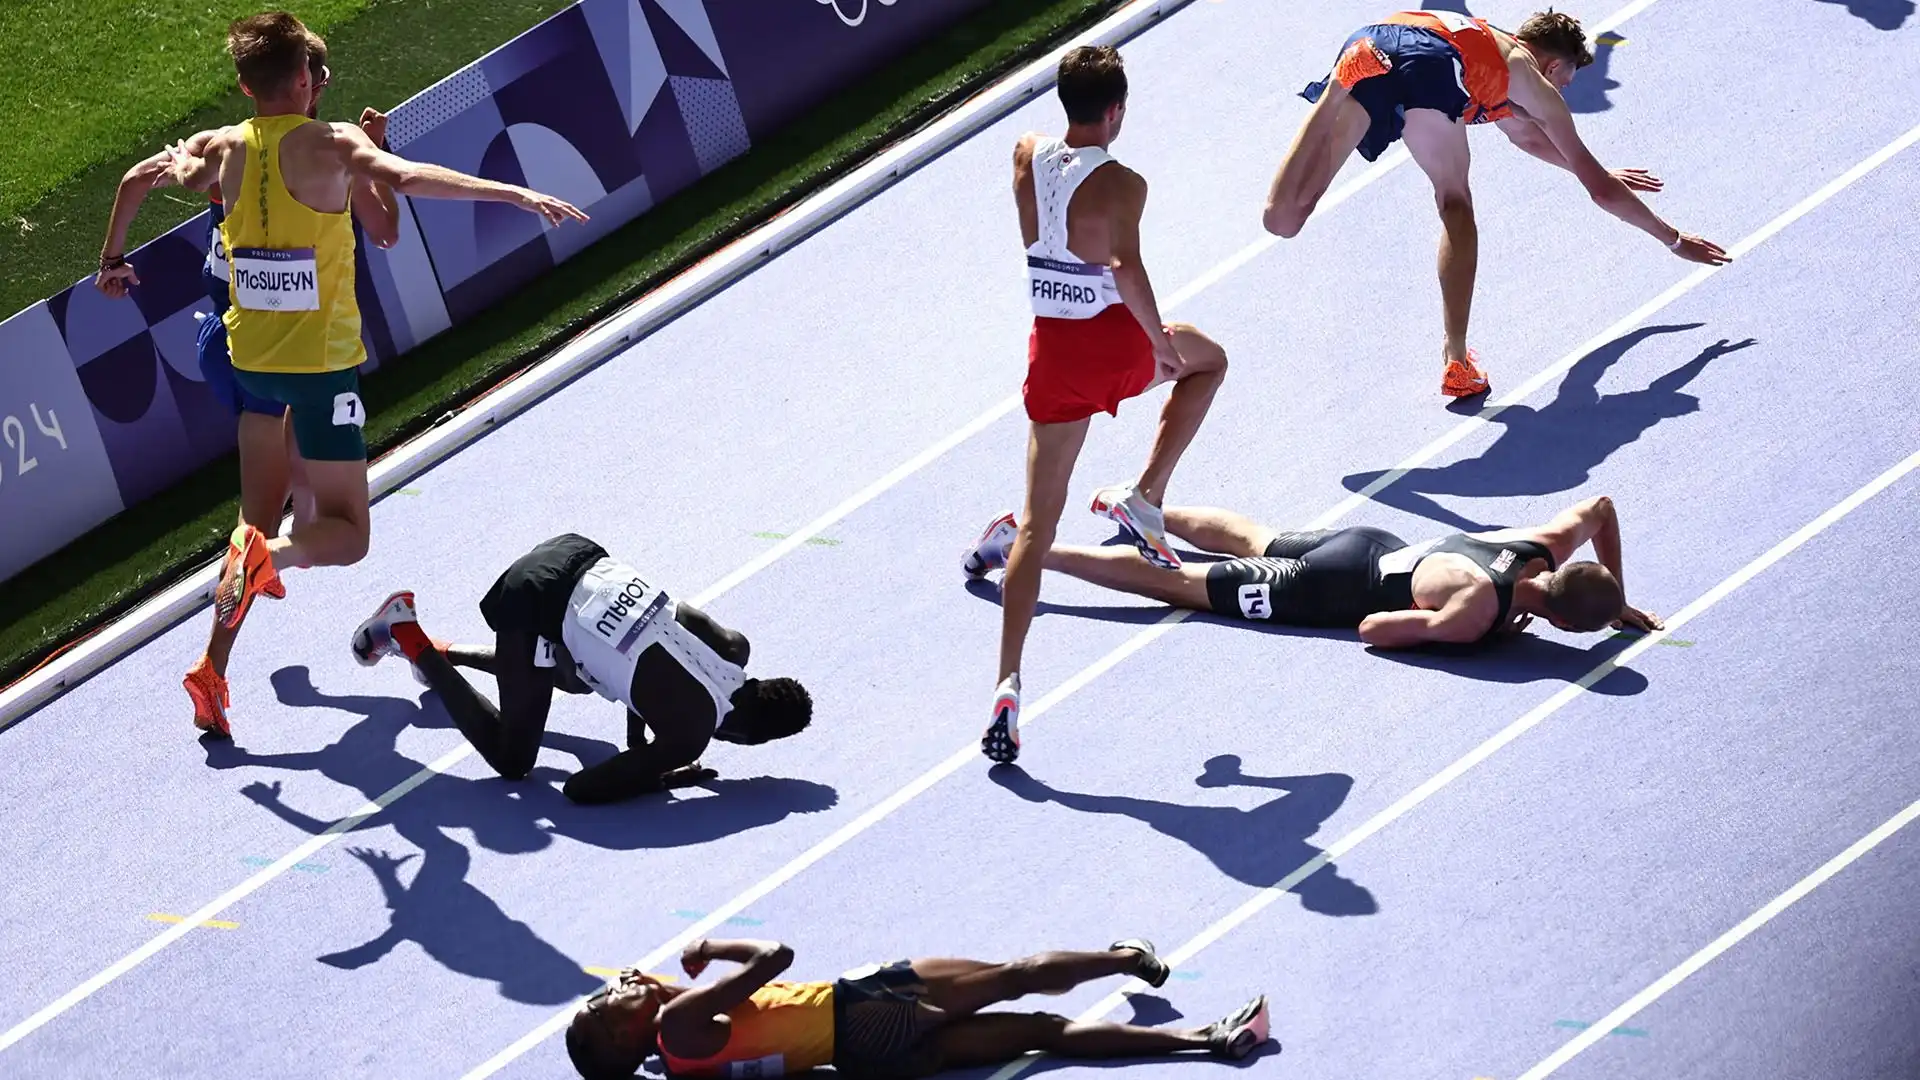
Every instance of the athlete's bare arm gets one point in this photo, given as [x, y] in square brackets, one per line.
[363, 159]
[1126, 192]
[1458, 620]
[1532, 138]
[1535, 100]
[1023, 198]
[694, 1024]
[143, 177]
[374, 205]
[1592, 521]
[196, 168]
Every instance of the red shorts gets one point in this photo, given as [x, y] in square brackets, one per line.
[1078, 367]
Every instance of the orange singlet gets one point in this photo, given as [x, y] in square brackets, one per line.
[1483, 62]
[784, 1028]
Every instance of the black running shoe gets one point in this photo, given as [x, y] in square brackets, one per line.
[1236, 1036]
[1152, 970]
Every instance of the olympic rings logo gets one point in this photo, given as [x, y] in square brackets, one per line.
[853, 20]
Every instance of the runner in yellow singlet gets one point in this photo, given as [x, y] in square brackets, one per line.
[271, 469]
[897, 1021]
[293, 325]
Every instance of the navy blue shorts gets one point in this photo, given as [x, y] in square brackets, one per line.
[1427, 74]
[216, 366]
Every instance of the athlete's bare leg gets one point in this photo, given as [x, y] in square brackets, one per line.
[1210, 528]
[1205, 366]
[1052, 450]
[339, 532]
[972, 1038]
[1122, 569]
[984, 1039]
[265, 482]
[1439, 146]
[960, 987]
[1333, 128]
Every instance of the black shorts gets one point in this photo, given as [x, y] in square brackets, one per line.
[1325, 578]
[531, 596]
[882, 1024]
[1427, 73]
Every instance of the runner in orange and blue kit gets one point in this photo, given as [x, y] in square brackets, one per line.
[1422, 77]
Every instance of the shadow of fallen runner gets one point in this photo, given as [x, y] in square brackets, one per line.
[1556, 447]
[1879, 14]
[1521, 658]
[456, 923]
[1588, 91]
[1526, 658]
[1258, 847]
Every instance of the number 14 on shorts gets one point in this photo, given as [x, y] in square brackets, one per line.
[1255, 600]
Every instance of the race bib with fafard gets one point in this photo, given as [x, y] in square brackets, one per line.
[276, 279]
[1066, 290]
[615, 614]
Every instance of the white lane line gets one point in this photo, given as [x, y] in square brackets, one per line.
[1259, 901]
[1726, 941]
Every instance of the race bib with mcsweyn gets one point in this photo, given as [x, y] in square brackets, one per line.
[275, 279]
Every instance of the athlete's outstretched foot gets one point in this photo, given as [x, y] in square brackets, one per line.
[1142, 521]
[373, 639]
[1464, 378]
[248, 572]
[1152, 970]
[995, 543]
[1237, 1035]
[1002, 740]
[209, 693]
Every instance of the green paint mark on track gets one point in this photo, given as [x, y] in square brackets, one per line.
[820, 541]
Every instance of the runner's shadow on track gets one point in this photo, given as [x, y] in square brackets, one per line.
[1880, 14]
[1138, 614]
[1526, 658]
[450, 919]
[1556, 447]
[1261, 847]
[1522, 658]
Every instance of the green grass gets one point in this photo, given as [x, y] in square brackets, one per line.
[391, 51]
[151, 545]
[81, 80]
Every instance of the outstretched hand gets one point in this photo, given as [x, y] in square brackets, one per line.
[1633, 618]
[556, 211]
[1639, 179]
[1701, 250]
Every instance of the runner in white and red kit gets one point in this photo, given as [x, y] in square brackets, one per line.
[1097, 340]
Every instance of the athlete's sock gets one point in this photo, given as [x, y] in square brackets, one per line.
[412, 640]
